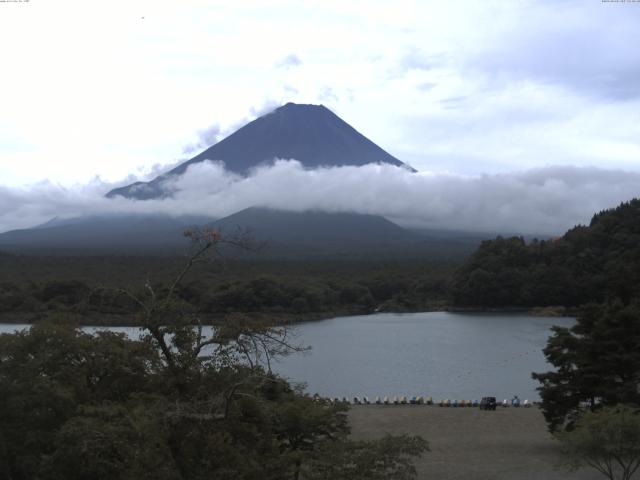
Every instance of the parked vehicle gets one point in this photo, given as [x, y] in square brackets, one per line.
[488, 403]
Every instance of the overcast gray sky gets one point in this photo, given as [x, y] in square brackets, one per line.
[463, 91]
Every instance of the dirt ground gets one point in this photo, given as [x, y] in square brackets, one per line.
[470, 444]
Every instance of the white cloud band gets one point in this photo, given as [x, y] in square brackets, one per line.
[540, 201]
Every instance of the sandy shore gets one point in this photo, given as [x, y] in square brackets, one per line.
[469, 444]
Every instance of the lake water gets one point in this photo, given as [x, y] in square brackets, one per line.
[445, 355]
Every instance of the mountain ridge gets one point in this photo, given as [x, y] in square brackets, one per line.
[285, 235]
[314, 226]
[99, 233]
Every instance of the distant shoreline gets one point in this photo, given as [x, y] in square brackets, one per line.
[551, 311]
[128, 320]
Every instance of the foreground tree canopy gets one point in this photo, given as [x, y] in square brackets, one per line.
[597, 363]
[176, 404]
[607, 440]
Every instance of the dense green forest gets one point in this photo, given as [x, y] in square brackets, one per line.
[588, 264]
[33, 288]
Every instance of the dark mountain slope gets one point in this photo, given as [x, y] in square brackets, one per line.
[316, 234]
[290, 235]
[311, 134]
[98, 234]
[315, 227]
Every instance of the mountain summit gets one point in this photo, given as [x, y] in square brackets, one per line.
[311, 134]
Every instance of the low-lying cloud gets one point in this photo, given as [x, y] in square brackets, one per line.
[290, 61]
[206, 137]
[544, 201]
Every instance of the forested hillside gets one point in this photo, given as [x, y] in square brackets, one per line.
[588, 264]
[32, 288]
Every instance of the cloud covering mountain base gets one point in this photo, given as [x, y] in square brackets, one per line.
[545, 201]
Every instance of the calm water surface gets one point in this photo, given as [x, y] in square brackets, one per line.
[441, 354]
[445, 355]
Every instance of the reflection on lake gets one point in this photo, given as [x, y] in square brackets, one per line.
[446, 355]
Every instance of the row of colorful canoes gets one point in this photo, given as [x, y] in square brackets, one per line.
[419, 400]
